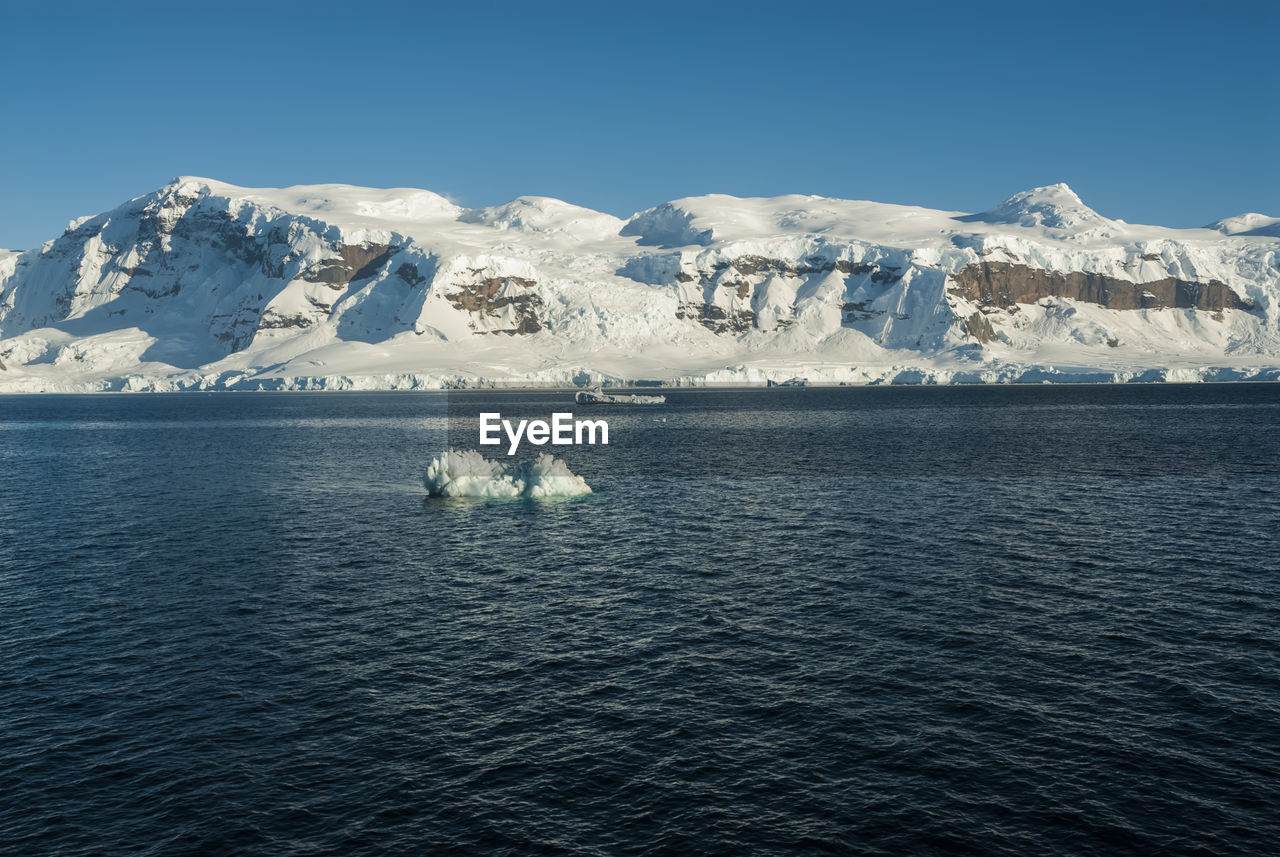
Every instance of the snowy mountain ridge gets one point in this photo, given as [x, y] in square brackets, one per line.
[205, 285]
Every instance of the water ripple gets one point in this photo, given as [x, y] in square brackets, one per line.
[237, 627]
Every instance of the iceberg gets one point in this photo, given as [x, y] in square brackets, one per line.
[467, 473]
[597, 396]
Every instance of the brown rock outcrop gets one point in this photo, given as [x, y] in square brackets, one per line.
[354, 262]
[1004, 283]
[485, 297]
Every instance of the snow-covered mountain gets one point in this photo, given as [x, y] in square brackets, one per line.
[209, 286]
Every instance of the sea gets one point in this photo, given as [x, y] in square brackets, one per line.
[1008, 620]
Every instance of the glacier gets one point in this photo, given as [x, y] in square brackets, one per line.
[202, 285]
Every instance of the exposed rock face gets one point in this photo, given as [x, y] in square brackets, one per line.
[354, 262]
[979, 328]
[725, 305]
[730, 289]
[717, 319]
[1004, 283]
[272, 320]
[855, 311]
[410, 274]
[500, 299]
[752, 265]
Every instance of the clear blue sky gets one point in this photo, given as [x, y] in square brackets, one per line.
[1158, 113]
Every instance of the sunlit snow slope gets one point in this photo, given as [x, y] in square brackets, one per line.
[209, 286]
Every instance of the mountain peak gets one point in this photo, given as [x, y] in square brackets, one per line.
[1054, 206]
[1251, 224]
[543, 214]
[193, 183]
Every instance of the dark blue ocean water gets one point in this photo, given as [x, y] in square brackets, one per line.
[988, 621]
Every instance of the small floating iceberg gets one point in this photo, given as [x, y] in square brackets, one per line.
[597, 396]
[467, 473]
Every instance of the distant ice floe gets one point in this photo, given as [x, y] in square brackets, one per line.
[467, 473]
